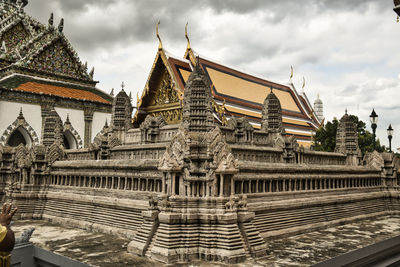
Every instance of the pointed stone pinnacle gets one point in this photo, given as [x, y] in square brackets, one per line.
[21, 115]
[51, 19]
[61, 25]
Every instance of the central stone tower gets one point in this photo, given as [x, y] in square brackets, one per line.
[199, 215]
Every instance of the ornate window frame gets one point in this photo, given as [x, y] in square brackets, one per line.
[19, 122]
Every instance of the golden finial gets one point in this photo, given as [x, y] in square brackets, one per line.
[187, 36]
[160, 46]
[291, 72]
[304, 83]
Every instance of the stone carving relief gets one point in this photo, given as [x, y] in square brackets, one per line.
[228, 165]
[150, 128]
[173, 157]
[242, 203]
[54, 153]
[243, 130]
[374, 160]
[217, 147]
[165, 204]
[153, 202]
[23, 158]
[231, 204]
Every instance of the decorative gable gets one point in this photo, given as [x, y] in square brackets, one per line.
[14, 36]
[165, 93]
[56, 58]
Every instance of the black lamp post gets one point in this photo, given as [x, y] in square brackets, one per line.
[390, 135]
[397, 7]
[374, 120]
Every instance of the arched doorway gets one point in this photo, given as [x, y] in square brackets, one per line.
[20, 136]
[70, 141]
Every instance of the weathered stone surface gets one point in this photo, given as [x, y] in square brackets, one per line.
[198, 190]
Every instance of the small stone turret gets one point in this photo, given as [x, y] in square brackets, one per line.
[319, 108]
[121, 118]
[271, 120]
[347, 139]
[197, 102]
[52, 129]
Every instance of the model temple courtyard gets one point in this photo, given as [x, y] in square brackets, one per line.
[213, 164]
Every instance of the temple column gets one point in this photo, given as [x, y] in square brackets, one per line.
[232, 186]
[88, 117]
[221, 191]
[173, 184]
[163, 183]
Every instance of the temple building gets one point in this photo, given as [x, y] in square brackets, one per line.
[42, 76]
[214, 164]
[234, 95]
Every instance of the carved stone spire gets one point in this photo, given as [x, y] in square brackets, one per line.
[319, 108]
[271, 120]
[121, 117]
[52, 129]
[197, 102]
[67, 121]
[21, 115]
[346, 136]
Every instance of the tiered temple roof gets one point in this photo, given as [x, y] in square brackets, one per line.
[235, 94]
[38, 58]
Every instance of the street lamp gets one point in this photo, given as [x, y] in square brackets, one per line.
[397, 7]
[390, 135]
[374, 120]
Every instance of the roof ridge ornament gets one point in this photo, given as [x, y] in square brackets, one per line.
[91, 74]
[123, 86]
[51, 20]
[160, 46]
[291, 73]
[187, 36]
[61, 25]
[304, 85]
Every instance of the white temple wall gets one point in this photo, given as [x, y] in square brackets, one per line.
[99, 119]
[76, 117]
[9, 112]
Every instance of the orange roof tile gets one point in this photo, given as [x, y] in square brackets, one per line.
[60, 91]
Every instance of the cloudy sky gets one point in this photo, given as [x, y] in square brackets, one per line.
[348, 50]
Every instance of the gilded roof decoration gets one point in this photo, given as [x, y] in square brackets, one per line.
[35, 50]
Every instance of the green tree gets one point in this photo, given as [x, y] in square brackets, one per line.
[325, 137]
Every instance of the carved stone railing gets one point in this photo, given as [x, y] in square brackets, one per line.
[275, 179]
[257, 154]
[131, 176]
[321, 158]
[80, 154]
